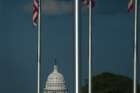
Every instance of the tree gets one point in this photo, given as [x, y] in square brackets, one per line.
[110, 83]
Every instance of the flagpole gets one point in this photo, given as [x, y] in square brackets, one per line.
[90, 47]
[39, 44]
[135, 47]
[77, 57]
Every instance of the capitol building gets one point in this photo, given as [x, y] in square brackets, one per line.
[55, 82]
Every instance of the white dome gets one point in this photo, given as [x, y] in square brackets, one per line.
[55, 81]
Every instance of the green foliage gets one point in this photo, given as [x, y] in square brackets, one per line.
[110, 83]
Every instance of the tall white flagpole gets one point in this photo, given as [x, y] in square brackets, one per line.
[135, 47]
[90, 48]
[77, 57]
[39, 48]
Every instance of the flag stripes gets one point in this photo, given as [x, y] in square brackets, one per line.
[86, 2]
[35, 12]
[130, 5]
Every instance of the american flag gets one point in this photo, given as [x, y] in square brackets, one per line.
[130, 5]
[35, 12]
[86, 2]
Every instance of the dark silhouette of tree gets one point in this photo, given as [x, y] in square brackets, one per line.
[110, 83]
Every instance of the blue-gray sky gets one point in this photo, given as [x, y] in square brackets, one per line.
[113, 42]
[113, 38]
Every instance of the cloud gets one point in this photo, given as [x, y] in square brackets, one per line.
[53, 7]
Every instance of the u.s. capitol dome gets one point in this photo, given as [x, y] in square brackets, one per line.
[55, 82]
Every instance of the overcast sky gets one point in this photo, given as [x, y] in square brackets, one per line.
[113, 42]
